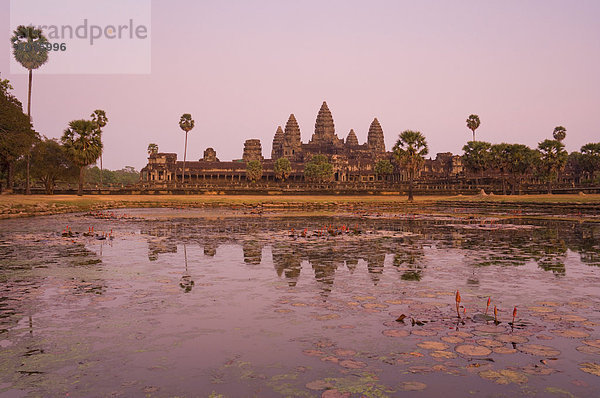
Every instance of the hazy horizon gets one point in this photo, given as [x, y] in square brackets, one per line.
[240, 69]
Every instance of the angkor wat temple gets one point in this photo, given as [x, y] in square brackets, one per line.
[352, 162]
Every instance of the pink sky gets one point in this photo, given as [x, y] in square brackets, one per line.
[240, 68]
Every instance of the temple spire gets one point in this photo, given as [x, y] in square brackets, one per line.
[324, 127]
[375, 138]
[351, 140]
[277, 149]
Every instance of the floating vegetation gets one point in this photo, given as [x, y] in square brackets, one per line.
[346, 307]
[473, 350]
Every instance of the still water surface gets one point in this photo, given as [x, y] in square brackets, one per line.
[193, 304]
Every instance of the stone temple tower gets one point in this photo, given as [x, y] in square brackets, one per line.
[252, 150]
[375, 139]
[324, 128]
[351, 140]
[277, 150]
[292, 144]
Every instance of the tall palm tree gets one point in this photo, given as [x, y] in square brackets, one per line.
[186, 123]
[152, 148]
[83, 144]
[559, 133]
[473, 123]
[409, 151]
[99, 117]
[31, 51]
[553, 158]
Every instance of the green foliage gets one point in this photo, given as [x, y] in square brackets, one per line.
[476, 156]
[586, 162]
[591, 158]
[559, 133]
[521, 159]
[5, 86]
[186, 123]
[553, 158]
[384, 167]
[500, 156]
[473, 123]
[50, 164]
[152, 148]
[16, 133]
[254, 170]
[318, 169]
[83, 142]
[126, 176]
[99, 117]
[410, 151]
[29, 47]
[282, 168]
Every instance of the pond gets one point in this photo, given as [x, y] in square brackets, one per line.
[199, 303]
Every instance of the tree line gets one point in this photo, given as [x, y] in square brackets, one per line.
[25, 153]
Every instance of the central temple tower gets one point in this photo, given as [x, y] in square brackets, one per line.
[325, 129]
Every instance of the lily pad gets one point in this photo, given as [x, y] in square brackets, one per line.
[327, 317]
[460, 334]
[412, 386]
[424, 333]
[542, 309]
[593, 343]
[319, 385]
[313, 353]
[352, 364]
[489, 343]
[590, 367]
[588, 349]
[572, 333]
[491, 329]
[345, 353]
[335, 394]
[504, 376]
[539, 350]
[452, 339]
[504, 350]
[374, 306]
[363, 298]
[473, 350]
[395, 333]
[443, 354]
[395, 301]
[433, 345]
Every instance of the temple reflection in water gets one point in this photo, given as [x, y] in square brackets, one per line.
[404, 244]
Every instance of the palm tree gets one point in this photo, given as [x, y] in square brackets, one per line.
[186, 123]
[83, 144]
[99, 117]
[473, 123]
[152, 148]
[409, 151]
[559, 133]
[553, 158]
[31, 51]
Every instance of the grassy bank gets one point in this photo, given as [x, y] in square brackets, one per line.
[12, 206]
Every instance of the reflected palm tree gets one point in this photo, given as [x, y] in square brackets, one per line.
[210, 249]
[186, 282]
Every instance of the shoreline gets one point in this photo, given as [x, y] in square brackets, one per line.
[21, 206]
